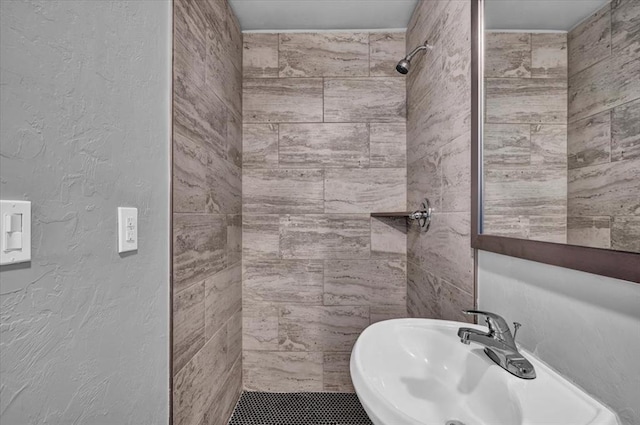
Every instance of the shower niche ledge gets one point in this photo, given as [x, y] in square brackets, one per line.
[422, 215]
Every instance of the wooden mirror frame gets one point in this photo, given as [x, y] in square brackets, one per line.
[615, 264]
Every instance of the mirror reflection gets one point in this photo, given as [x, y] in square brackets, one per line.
[561, 125]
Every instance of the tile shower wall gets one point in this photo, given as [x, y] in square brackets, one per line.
[207, 235]
[440, 263]
[525, 135]
[324, 146]
[604, 129]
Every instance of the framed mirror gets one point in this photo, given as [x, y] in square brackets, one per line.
[556, 132]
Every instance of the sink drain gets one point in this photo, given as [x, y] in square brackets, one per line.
[454, 422]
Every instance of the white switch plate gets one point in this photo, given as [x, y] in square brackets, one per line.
[15, 232]
[127, 229]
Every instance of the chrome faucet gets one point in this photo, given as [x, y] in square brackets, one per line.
[499, 344]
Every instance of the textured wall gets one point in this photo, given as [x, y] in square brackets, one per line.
[582, 325]
[440, 263]
[324, 145]
[207, 185]
[604, 129]
[525, 135]
[84, 129]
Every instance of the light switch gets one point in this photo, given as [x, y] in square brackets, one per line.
[127, 229]
[15, 232]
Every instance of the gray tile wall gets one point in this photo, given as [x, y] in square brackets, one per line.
[525, 136]
[440, 262]
[604, 129]
[207, 221]
[324, 145]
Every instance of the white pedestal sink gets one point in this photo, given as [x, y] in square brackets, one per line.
[416, 372]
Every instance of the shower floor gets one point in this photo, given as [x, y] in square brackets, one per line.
[258, 408]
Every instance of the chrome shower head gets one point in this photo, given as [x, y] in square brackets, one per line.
[405, 64]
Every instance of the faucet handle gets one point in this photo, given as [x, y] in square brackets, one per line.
[516, 326]
[495, 322]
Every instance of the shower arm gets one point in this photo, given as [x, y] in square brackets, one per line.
[425, 46]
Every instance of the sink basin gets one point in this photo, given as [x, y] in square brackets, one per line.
[416, 371]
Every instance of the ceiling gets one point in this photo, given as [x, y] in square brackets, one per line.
[291, 15]
[558, 15]
[322, 14]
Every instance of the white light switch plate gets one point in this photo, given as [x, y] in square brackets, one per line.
[127, 229]
[15, 232]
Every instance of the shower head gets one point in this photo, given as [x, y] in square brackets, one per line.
[405, 64]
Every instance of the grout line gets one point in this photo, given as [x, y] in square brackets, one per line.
[323, 99]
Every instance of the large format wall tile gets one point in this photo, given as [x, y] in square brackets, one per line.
[455, 180]
[199, 247]
[223, 298]
[378, 313]
[336, 375]
[220, 411]
[388, 237]
[507, 54]
[328, 54]
[282, 371]
[605, 85]
[625, 25]
[224, 181]
[445, 250]
[188, 324]
[282, 100]
[189, 175]
[549, 55]
[369, 190]
[324, 145]
[283, 191]
[320, 328]
[386, 50]
[365, 282]
[364, 100]
[325, 236]
[226, 34]
[189, 46]
[260, 146]
[533, 100]
[589, 231]
[206, 212]
[260, 55]
[589, 141]
[526, 190]
[625, 233]
[506, 225]
[259, 326]
[506, 145]
[604, 145]
[202, 117]
[606, 189]
[424, 181]
[287, 281]
[549, 146]
[199, 383]
[432, 297]
[260, 236]
[234, 336]
[222, 77]
[548, 228]
[625, 132]
[234, 238]
[388, 145]
[590, 42]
